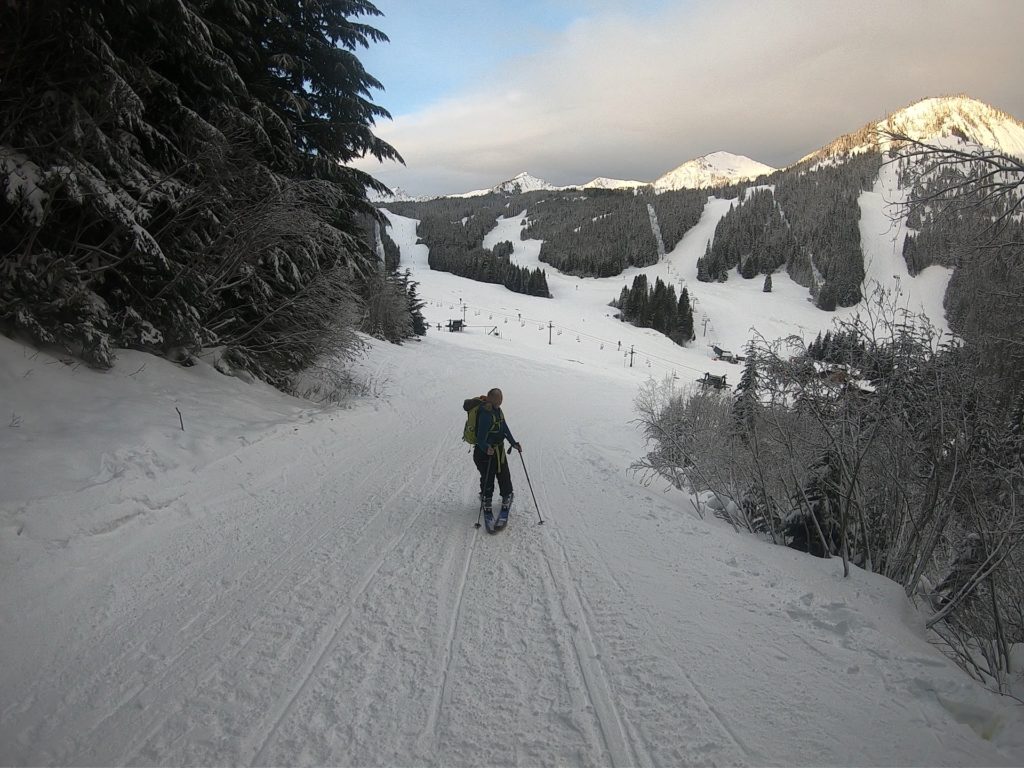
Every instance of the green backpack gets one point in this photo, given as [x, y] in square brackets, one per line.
[469, 431]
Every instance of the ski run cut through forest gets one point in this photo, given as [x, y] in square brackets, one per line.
[198, 570]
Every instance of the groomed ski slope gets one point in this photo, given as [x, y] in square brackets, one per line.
[279, 584]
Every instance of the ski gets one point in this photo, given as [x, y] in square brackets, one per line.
[502, 520]
[489, 522]
[488, 516]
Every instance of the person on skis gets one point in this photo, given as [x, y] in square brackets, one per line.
[488, 453]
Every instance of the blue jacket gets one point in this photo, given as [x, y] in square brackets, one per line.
[484, 423]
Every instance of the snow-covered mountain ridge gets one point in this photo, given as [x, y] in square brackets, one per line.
[604, 183]
[714, 170]
[932, 119]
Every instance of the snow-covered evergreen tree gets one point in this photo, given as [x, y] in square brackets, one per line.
[149, 197]
[685, 316]
[746, 392]
[704, 273]
[419, 323]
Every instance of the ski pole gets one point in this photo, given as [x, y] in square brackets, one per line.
[541, 519]
[480, 514]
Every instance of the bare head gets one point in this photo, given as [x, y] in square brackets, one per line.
[494, 398]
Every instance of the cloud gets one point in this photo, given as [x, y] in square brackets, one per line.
[634, 96]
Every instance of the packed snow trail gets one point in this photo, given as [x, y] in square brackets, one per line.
[319, 595]
[340, 608]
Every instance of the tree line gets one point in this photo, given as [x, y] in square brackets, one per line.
[821, 205]
[453, 229]
[753, 236]
[977, 236]
[591, 233]
[202, 197]
[656, 307]
[599, 233]
[490, 266]
[806, 219]
[588, 233]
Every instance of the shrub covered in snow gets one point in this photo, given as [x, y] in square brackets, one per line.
[898, 458]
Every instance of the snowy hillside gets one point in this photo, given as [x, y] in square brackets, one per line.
[602, 183]
[933, 119]
[202, 571]
[714, 170]
[473, 193]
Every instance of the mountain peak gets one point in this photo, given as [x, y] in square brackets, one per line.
[961, 117]
[522, 182]
[712, 170]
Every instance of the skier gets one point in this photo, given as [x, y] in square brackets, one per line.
[488, 452]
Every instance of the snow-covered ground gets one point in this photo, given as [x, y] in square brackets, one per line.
[282, 584]
[882, 235]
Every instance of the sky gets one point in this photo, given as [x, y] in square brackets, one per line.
[568, 90]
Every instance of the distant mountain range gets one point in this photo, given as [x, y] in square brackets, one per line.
[956, 118]
[714, 170]
[524, 182]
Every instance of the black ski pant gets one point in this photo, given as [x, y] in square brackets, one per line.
[488, 467]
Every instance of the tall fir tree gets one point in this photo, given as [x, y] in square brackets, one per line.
[745, 406]
[416, 305]
[685, 315]
[704, 273]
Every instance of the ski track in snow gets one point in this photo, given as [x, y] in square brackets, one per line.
[427, 742]
[281, 712]
[675, 740]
